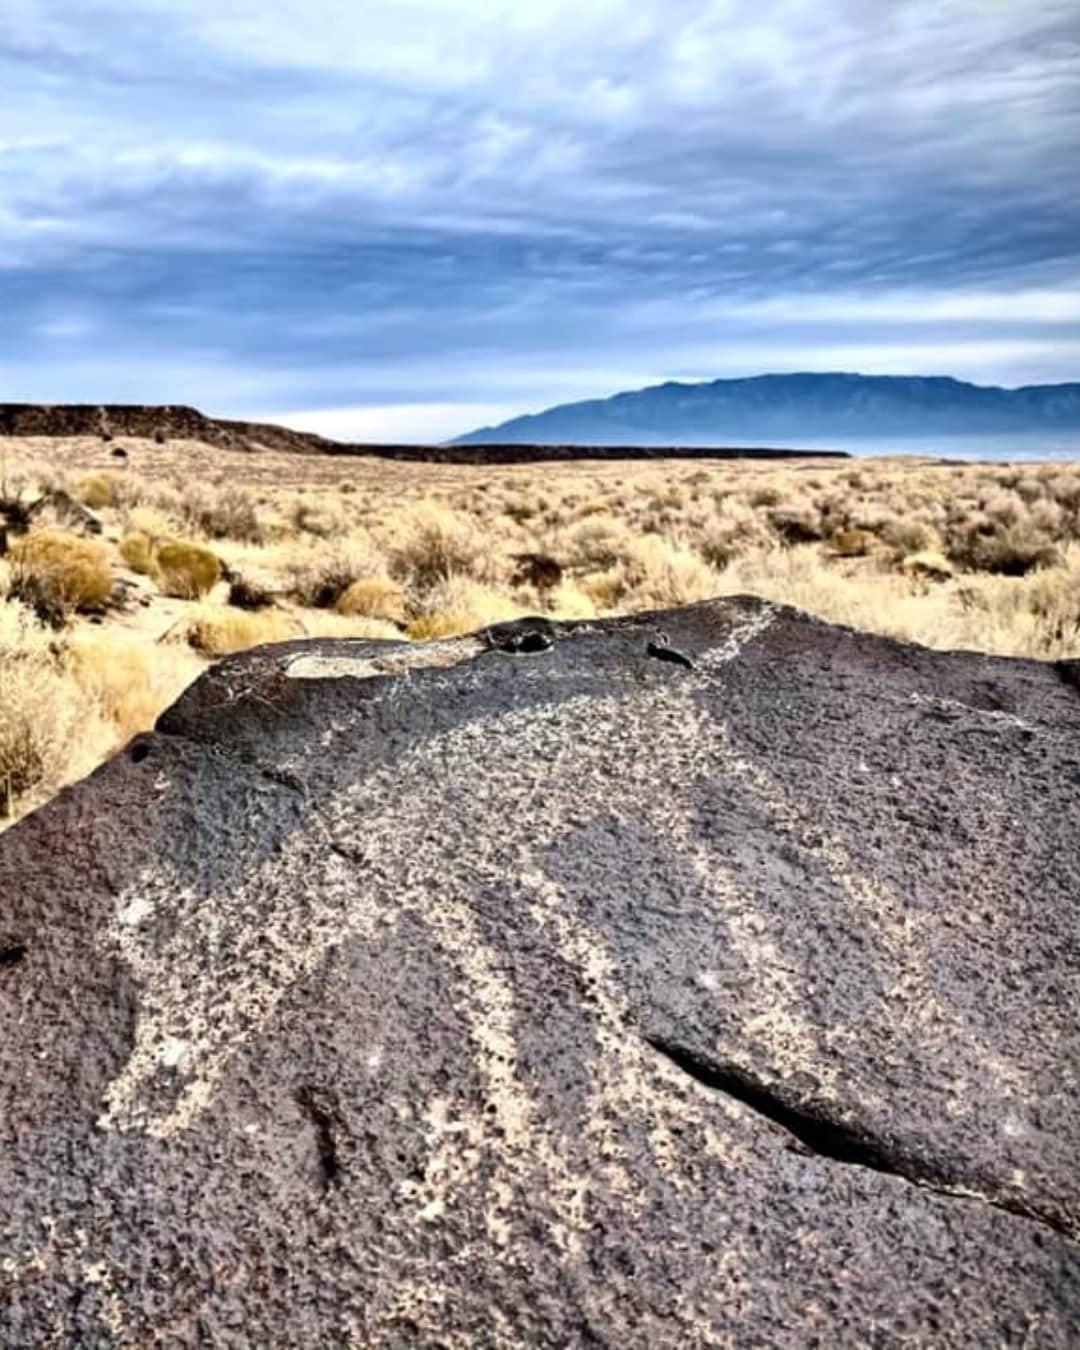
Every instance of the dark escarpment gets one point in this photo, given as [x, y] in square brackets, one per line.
[177, 422]
[705, 978]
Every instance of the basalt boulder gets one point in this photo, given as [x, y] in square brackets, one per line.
[698, 978]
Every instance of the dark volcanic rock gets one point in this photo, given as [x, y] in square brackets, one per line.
[161, 423]
[543, 992]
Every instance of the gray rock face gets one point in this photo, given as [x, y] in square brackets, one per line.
[543, 988]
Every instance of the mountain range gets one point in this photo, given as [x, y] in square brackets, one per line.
[795, 408]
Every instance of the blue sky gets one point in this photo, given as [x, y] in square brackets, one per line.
[408, 218]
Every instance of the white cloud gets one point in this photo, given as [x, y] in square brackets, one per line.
[406, 423]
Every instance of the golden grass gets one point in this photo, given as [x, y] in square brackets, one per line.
[50, 729]
[373, 598]
[978, 556]
[72, 571]
[95, 492]
[137, 551]
[184, 570]
[216, 631]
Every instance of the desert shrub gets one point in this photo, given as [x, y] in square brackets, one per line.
[245, 593]
[664, 574]
[853, 543]
[373, 598]
[43, 715]
[797, 524]
[185, 570]
[520, 507]
[95, 492]
[428, 544]
[928, 564]
[1047, 515]
[718, 545]
[1065, 488]
[1030, 489]
[1004, 507]
[151, 521]
[138, 552]
[596, 544]
[322, 520]
[319, 574]
[460, 605]
[1013, 551]
[71, 571]
[907, 536]
[228, 514]
[539, 570]
[764, 497]
[220, 632]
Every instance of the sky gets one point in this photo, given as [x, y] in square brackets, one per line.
[404, 219]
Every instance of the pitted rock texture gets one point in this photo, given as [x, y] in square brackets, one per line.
[535, 989]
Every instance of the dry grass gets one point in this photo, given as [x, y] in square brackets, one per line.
[219, 632]
[50, 729]
[70, 571]
[976, 556]
[373, 598]
[186, 571]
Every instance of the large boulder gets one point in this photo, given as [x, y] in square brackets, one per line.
[705, 978]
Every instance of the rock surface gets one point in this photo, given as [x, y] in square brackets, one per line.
[544, 988]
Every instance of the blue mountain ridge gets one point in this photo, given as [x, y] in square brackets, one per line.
[766, 409]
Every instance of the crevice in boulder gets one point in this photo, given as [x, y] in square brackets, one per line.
[814, 1134]
[822, 1137]
[313, 1102]
[11, 953]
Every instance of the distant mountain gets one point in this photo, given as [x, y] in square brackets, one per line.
[772, 409]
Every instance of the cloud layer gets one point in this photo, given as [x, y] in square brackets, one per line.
[331, 206]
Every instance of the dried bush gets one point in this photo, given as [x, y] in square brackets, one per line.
[764, 497]
[247, 594]
[928, 565]
[853, 543]
[373, 598]
[95, 492]
[185, 570]
[1004, 507]
[138, 552]
[595, 545]
[70, 571]
[797, 524]
[43, 713]
[907, 536]
[319, 574]
[229, 514]
[322, 520]
[1013, 551]
[220, 632]
[429, 544]
[460, 605]
[539, 570]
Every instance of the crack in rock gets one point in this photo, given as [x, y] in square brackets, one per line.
[821, 1137]
[316, 1106]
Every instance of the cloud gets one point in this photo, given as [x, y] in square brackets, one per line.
[320, 205]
